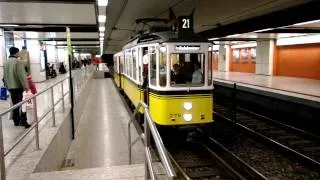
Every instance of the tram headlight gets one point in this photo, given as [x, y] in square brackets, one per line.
[187, 117]
[187, 106]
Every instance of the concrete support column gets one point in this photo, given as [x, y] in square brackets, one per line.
[224, 58]
[36, 56]
[2, 52]
[265, 57]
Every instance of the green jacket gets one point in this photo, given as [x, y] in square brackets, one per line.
[14, 74]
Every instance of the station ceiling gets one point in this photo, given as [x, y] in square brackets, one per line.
[211, 17]
[47, 20]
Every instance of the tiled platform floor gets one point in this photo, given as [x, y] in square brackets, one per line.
[101, 139]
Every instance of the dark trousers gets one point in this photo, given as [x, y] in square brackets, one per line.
[16, 97]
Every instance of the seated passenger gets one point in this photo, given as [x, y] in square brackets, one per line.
[176, 76]
[197, 74]
[62, 68]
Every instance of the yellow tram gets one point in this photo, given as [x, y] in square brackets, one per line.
[173, 77]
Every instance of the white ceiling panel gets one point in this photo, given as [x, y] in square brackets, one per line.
[79, 42]
[47, 13]
[44, 35]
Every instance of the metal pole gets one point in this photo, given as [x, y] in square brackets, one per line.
[71, 98]
[53, 113]
[234, 102]
[129, 141]
[2, 161]
[147, 144]
[62, 92]
[36, 128]
[70, 81]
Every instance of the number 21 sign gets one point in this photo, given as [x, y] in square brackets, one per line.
[185, 26]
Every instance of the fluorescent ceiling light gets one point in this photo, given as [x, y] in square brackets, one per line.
[234, 35]
[9, 25]
[308, 22]
[101, 34]
[102, 2]
[212, 39]
[102, 29]
[263, 30]
[102, 18]
[245, 45]
[299, 40]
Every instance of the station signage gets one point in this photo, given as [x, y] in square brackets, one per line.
[187, 48]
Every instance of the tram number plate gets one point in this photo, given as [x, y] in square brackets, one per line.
[175, 116]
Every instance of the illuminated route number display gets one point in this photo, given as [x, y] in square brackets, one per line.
[185, 23]
[185, 26]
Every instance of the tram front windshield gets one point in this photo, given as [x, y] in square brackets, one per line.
[187, 69]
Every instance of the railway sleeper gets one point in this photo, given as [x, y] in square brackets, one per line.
[203, 174]
[311, 149]
[287, 137]
[193, 164]
[299, 142]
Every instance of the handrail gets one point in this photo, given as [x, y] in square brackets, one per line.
[37, 119]
[31, 97]
[149, 126]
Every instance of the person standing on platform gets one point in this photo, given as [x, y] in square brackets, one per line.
[24, 55]
[108, 60]
[95, 61]
[15, 78]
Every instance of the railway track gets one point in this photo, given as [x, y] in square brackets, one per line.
[303, 146]
[209, 160]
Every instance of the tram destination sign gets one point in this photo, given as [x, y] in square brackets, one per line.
[187, 48]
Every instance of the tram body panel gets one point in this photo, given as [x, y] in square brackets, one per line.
[171, 110]
[117, 79]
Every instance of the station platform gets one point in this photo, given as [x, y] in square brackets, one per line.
[100, 148]
[296, 88]
[101, 138]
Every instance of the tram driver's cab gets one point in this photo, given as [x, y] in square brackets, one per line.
[173, 65]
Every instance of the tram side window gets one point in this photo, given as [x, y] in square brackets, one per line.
[163, 67]
[126, 64]
[134, 64]
[121, 64]
[115, 62]
[187, 69]
[130, 64]
[153, 65]
[210, 56]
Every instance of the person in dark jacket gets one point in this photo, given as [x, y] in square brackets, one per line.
[177, 76]
[62, 68]
[109, 62]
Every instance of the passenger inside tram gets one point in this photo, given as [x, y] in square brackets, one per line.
[177, 77]
[197, 74]
[186, 69]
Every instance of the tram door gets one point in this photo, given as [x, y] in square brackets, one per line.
[145, 75]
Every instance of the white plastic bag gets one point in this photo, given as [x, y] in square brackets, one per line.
[28, 104]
